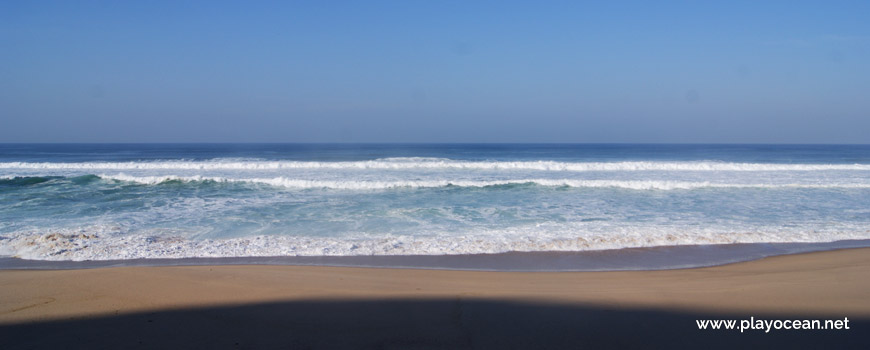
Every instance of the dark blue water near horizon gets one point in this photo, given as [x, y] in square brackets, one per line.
[752, 153]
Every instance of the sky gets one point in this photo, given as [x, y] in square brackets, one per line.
[435, 71]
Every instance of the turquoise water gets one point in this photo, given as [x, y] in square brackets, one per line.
[101, 202]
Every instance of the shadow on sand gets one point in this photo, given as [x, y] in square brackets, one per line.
[414, 324]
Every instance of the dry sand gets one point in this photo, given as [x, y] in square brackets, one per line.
[288, 306]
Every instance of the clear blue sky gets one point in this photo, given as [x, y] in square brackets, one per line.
[435, 71]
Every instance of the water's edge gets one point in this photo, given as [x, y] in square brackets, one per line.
[629, 259]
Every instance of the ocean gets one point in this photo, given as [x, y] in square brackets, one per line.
[116, 202]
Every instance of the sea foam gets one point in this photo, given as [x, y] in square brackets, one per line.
[79, 245]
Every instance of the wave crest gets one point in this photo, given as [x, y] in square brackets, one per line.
[381, 185]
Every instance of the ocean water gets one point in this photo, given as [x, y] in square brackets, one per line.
[113, 202]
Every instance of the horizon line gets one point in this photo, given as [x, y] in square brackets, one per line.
[435, 143]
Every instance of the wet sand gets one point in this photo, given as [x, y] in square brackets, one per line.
[330, 307]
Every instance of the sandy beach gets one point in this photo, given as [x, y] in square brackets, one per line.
[257, 306]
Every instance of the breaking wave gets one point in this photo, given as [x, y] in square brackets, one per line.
[380, 185]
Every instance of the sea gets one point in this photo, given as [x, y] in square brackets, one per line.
[446, 204]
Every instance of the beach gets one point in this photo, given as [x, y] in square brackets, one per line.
[303, 306]
[434, 175]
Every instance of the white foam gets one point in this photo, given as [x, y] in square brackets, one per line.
[380, 185]
[432, 163]
[79, 244]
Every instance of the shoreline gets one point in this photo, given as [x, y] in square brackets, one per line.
[625, 259]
